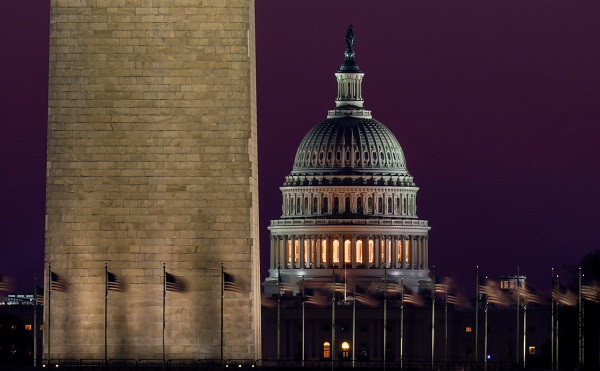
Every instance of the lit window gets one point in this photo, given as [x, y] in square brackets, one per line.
[326, 350]
[468, 329]
[345, 350]
[336, 252]
[359, 255]
[296, 248]
[532, 350]
[324, 251]
[371, 251]
[28, 327]
[306, 260]
[347, 252]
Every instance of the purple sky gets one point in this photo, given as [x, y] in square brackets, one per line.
[496, 105]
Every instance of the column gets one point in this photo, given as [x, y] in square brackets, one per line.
[301, 252]
[318, 252]
[394, 252]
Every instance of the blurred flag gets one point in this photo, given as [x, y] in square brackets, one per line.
[57, 282]
[493, 293]
[230, 284]
[113, 282]
[5, 283]
[315, 298]
[413, 298]
[268, 301]
[173, 283]
[441, 284]
[39, 295]
[591, 292]
[563, 296]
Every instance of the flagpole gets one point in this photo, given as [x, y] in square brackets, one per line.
[524, 330]
[222, 317]
[278, 316]
[164, 310]
[385, 318]
[303, 328]
[401, 321]
[49, 308]
[581, 336]
[557, 323]
[518, 319]
[332, 354]
[35, 304]
[446, 323]
[354, 322]
[433, 320]
[552, 341]
[486, 332]
[476, 313]
[105, 313]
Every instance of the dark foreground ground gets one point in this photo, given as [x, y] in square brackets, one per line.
[213, 365]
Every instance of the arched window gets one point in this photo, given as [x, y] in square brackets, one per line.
[336, 205]
[298, 205]
[390, 205]
[336, 252]
[345, 350]
[315, 208]
[325, 208]
[306, 251]
[326, 350]
[371, 252]
[347, 251]
[306, 205]
[380, 208]
[324, 251]
[359, 252]
[369, 204]
[359, 207]
[347, 206]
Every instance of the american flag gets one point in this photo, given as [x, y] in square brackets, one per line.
[230, 283]
[173, 283]
[57, 282]
[113, 282]
[5, 283]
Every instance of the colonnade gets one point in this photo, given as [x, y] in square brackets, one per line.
[326, 203]
[351, 251]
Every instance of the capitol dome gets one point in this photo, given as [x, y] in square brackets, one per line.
[350, 145]
[349, 202]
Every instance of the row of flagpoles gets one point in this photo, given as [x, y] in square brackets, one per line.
[113, 282]
[487, 292]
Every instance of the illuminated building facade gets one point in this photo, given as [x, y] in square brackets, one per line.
[152, 170]
[349, 204]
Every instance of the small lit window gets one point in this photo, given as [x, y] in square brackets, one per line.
[468, 329]
[28, 327]
[532, 350]
[326, 350]
[13, 327]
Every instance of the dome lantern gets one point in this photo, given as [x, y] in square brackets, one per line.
[349, 77]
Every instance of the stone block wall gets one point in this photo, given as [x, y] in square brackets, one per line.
[152, 162]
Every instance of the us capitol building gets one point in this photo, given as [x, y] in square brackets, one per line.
[349, 204]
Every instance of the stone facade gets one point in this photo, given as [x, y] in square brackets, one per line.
[152, 162]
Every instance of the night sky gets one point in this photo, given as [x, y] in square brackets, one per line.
[496, 105]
